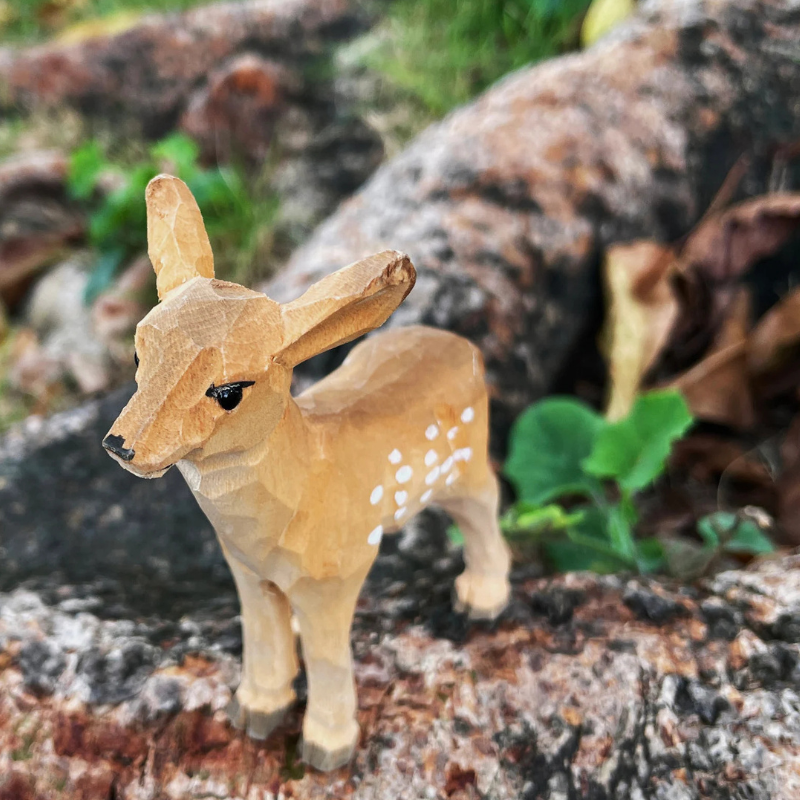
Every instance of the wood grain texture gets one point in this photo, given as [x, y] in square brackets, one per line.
[301, 491]
[178, 244]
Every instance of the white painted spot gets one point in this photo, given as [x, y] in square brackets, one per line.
[451, 434]
[399, 513]
[404, 474]
[376, 536]
[447, 464]
[377, 494]
[432, 476]
[426, 495]
[431, 432]
[400, 497]
[464, 454]
[468, 414]
[395, 457]
[451, 478]
[431, 457]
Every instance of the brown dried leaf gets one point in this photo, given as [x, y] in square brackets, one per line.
[788, 486]
[707, 457]
[718, 388]
[642, 310]
[727, 244]
[776, 332]
[4, 326]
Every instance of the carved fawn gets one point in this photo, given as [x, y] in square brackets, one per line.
[301, 490]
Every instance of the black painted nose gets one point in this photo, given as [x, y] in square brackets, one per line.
[114, 444]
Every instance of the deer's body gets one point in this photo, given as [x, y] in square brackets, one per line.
[300, 491]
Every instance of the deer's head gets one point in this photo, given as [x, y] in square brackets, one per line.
[215, 359]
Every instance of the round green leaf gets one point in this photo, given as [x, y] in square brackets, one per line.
[633, 450]
[548, 443]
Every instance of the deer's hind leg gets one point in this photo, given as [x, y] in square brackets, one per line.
[269, 659]
[483, 588]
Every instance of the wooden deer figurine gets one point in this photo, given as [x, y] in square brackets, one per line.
[300, 490]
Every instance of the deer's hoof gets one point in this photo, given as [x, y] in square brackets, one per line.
[258, 724]
[327, 750]
[319, 757]
[481, 596]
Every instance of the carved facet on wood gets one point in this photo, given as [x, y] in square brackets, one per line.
[300, 490]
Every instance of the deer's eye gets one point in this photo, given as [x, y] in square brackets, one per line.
[136, 358]
[230, 395]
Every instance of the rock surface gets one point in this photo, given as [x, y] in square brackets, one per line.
[37, 219]
[245, 79]
[148, 72]
[66, 508]
[506, 205]
[573, 693]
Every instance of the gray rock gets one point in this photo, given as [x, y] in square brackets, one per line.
[505, 207]
[67, 508]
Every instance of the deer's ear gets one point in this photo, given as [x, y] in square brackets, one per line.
[177, 242]
[344, 305]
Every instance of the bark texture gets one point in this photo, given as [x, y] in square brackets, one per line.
[148, 72]
[244, 79]
[507, 204]
[120, 646]
[586, 688]
[37, 219]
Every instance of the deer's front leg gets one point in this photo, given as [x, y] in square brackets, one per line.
[269, 659]
[324, 611]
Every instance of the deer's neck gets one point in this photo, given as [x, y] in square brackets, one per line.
[287, 443]
[250, 495]
[258, 487]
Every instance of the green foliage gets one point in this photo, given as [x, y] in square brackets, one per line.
[443, 52]
[730, 533]
[633, 450]
[118, 216]
[31, 20]
[560, 448]
[549, 443]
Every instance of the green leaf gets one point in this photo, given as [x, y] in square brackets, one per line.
[711, 527]
[569, 556]
[548, 443]
[103, 273]
[733, 534]
[650, 555]
[551, 517]
[180, 153]
[633, 450]
[85, 165]
[749, 538]
[455, 535]
[620, 521]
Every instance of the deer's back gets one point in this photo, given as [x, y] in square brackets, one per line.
[396, 372]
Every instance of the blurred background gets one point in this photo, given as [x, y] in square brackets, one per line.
[598, 227]
[285, 114]
[602, 194]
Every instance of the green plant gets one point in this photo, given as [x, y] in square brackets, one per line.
[118, 220]
[30, 20]
[443, 52]
[561, 448]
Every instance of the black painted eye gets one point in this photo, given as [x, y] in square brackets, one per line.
[136, 358]
[230, 395]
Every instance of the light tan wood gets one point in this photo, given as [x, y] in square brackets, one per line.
[301, 490]
[178, 243]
